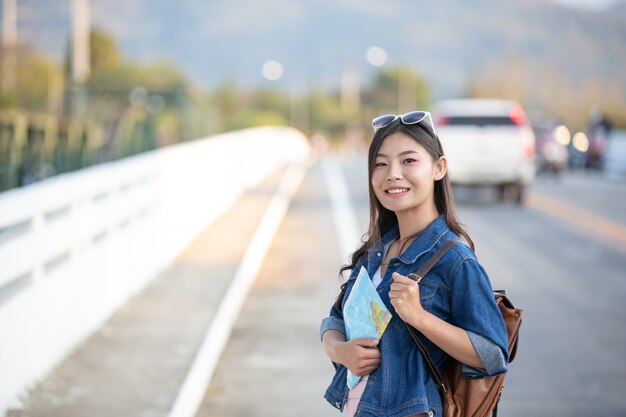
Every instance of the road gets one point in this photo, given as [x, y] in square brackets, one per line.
[562, 257]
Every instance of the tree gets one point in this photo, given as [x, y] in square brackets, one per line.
[33, 75]
[105, 54]
[397, 90]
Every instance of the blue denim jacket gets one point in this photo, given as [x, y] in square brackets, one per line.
[457, 290]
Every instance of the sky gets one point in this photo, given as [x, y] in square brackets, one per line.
[53, 40]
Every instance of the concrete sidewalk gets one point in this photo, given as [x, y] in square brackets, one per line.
[274, 364]
[135, 364]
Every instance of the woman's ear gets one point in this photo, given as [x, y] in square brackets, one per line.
[441, 167]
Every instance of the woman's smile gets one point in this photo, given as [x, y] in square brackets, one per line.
[396, 191]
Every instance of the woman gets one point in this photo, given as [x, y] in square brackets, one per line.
[411, 216]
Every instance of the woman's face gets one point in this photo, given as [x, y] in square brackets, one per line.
[404, 174]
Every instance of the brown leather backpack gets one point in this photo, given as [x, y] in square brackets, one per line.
[464, 397]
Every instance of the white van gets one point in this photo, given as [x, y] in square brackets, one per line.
[487, 142]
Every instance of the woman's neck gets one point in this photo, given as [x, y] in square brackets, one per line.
[412, 222]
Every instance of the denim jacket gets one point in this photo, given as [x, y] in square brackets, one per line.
[456, 290]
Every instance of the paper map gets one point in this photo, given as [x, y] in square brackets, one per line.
[364, 315]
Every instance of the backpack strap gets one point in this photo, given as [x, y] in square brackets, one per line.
[417, 277]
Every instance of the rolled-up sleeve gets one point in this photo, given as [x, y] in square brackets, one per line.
[474, 309]
[334, 321]
[490, 355]
[331, 323]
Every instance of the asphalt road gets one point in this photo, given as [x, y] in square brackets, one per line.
[561, 256]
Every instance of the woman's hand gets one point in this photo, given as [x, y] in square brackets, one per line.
[404, 295]
[361, 356]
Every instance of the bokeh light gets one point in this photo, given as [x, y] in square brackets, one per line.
[376, 56]
[562, 134]
[580, 142]
[273, 70]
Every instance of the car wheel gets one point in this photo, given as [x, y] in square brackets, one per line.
[511, 192]
[501, 192]
[520, 193]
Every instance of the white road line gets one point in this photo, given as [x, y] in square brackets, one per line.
[343, 212]
[194, 387]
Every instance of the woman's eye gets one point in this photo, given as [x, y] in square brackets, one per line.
[380, 164]
[409, 160]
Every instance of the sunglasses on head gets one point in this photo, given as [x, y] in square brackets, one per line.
[409, 118]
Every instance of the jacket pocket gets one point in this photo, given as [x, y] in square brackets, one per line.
[427, 293]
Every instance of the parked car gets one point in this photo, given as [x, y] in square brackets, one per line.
[487, 142]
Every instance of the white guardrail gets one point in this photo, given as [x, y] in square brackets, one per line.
[73, 248]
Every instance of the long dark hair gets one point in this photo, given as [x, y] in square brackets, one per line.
[382, 219]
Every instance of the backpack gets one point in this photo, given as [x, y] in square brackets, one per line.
[460, 396]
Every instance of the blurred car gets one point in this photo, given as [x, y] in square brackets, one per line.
[586, 151]
[588, 148]
[487, 142]
[551, 140]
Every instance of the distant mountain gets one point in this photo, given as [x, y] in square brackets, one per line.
[448, 41]
[619, 8]
[588, 4]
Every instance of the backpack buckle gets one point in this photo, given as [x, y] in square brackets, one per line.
[415, 277]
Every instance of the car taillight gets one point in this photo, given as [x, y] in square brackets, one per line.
[528, 146]
[517, 115]
[529, 150]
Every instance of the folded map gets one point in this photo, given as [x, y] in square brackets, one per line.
[364, 314]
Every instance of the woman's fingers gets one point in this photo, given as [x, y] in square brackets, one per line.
[365, 342]
[401, 286]
[366, 367]
[370, 353]
[371, 362]
[401, 279]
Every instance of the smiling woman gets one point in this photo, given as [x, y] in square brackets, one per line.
[412, 216]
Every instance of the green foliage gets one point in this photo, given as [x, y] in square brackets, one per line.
[227, 100]
[252, 118]
[326, 115]
[33, 73]
[397, 90]
[264, 100]
[240, 109]
[105, 55]
[320, 111]
[126, 76]
[32, 82]
[7, 99]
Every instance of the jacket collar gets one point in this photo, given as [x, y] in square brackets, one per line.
[423, 243]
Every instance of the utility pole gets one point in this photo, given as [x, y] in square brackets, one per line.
[407, 90]
[350, 89]
[9, 43]
[80, 41]
[80, 57]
